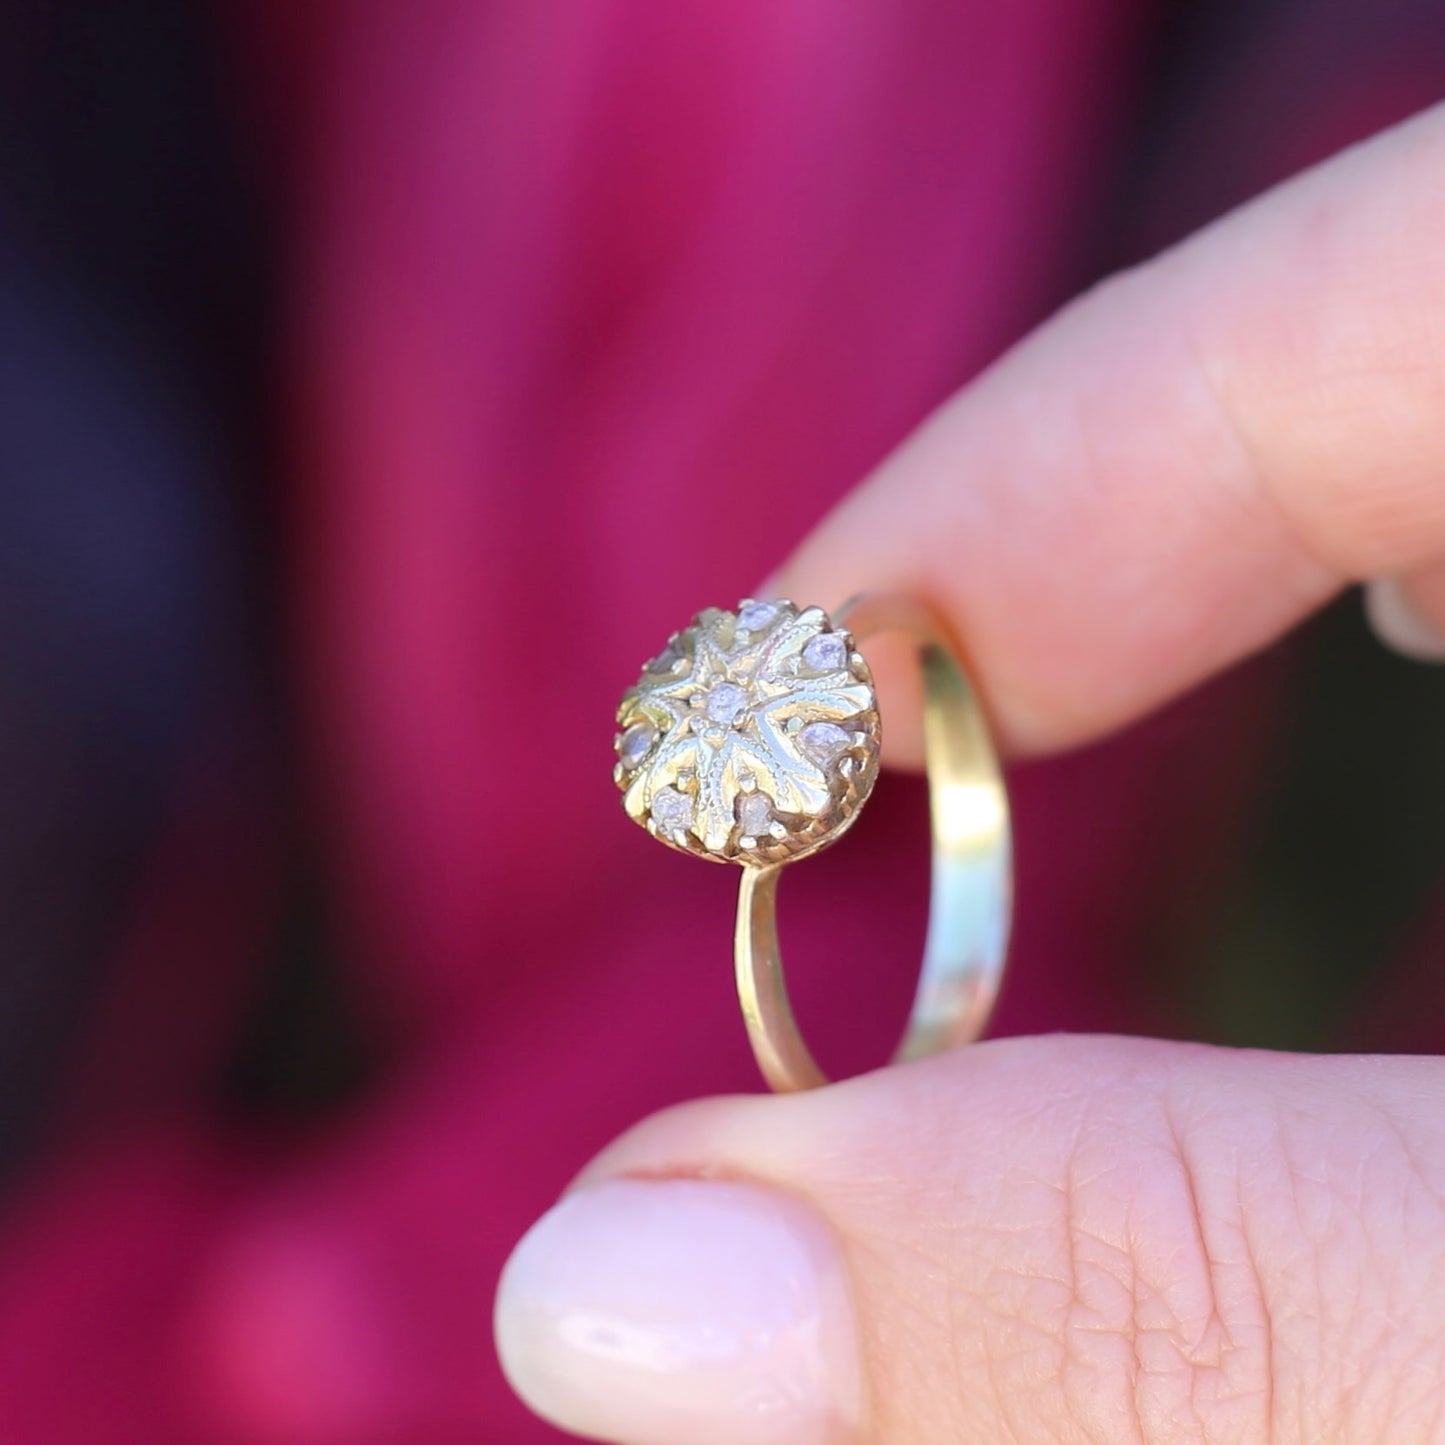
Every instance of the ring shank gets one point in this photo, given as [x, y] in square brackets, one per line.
[971, 893]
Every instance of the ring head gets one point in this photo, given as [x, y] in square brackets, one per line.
[752, 737]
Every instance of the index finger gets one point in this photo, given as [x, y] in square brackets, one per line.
[1185, 461]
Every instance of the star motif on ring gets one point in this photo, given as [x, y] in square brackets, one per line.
[752, 737]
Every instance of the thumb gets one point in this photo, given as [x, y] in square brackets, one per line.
[1035, 1240]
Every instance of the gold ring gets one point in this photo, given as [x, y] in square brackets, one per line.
[753, 738]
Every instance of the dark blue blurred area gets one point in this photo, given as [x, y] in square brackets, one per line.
[131, 326]
[111, 562]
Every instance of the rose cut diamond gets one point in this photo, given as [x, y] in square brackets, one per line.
[827, 652]
[666, 660]
[671, 810]
[823, 741]
[755, 814]
[636, 743]
[757, 615]
[727, 703]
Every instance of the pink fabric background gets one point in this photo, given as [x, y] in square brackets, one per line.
[596, 309]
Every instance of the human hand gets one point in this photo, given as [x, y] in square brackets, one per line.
[1047, 1240]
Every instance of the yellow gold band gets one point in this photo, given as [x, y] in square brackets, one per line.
[971, 892]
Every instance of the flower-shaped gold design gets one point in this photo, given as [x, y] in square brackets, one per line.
[752, 737]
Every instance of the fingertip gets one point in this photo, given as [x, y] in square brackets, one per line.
[654, 1310]
[1401, 622]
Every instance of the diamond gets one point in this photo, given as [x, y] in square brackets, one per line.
[636, 743]
[823, 741]
[827, 652]
[757, 615]
[727, 703]
[667, 659]
[755, 814]
[671, 810]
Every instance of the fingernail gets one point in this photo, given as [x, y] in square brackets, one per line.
[657, 1311]
[1398, 624]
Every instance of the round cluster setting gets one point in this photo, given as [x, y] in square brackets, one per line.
[752, 737]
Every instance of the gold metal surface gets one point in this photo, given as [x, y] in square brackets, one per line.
[758, 744]
[750, 744]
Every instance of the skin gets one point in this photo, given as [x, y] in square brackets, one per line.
[1090, 1240]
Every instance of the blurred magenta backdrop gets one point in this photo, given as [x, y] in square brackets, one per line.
[594, 309]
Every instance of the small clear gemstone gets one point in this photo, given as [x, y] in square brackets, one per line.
[726, 703]
[671, 810]
[823, 741]
[827, 652]
[755, 814]
[636, 743]
[757, 615]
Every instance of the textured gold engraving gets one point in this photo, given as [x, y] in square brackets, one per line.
[752, 737]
